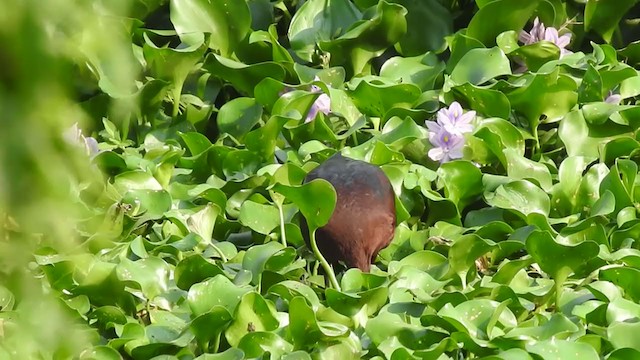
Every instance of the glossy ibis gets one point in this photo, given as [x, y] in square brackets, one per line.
[364, 218]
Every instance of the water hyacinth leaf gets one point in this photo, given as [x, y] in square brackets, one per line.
[465, 250]
[172, 64]
[499, 16]
[229, 354]
[203, 220]
[388, 325]
[519, 167]
[478, 66]
[520, 195]
[320, 20]
[304, 327]
[136, 180]
[558, 325]
[239, 165]
[600, 112]
[559, 260]
[263, 140]
[630, 87]
[500, 134]
[397, 133]
[350, 303]
[316, 200]
[563, 349]
[100, 352]
[460, 44]
[375, 96]
[431, 21]
[195, 269]
[624, 278]
[619, 181]
[368, 38]
[624, 146]
[7, 300]
[621, 336]
[238, 116]
[462, 182]
[191, 18]
[583, 139]
[603, 16]
[260, 218]
[476, 315]
[484, 100]
[590, 89]
[511, 354]
[552, 95]
[289, 289]
[243, 77]
[252, 314]
[257, 256]
[151, 275]
[255, 344]
[216, 291]
[537, 54]
[196, 142]
[422, 70]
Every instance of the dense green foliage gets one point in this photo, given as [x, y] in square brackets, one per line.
[179, 237]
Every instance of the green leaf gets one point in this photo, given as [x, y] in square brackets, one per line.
[259, 217]
[151, 275]
[603, 16]
[255, 344]
[320, 20]
[429, 21]
[480, 65]
[559, 260]
[316, 200]
[519, 167]
[462, 182]
[368, 38]
[499, 16]
[242, 76]
[238, 116]
[252, 314]
[195, 269]
[522, 196]
[257, 256]
[562, 349]
[422, 70]
[484, 100]
[375, 96]
[227, 21]
[216, 291]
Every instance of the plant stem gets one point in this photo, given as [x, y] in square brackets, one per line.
[283, 235]
[325, 265]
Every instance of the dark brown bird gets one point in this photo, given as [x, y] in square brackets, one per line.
[364, 218]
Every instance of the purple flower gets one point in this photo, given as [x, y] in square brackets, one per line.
[613, 98]
[539, 32]
[455, 120]
[74, 136]
[322, 104]
[447, 146]
[446, 134]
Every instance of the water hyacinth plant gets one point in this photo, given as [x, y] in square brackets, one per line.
[446, 134]
[515, 234]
